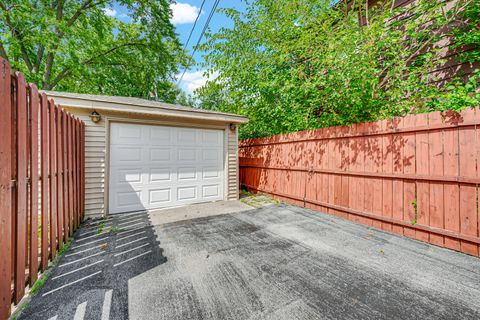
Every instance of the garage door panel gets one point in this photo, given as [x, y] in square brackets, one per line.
[211, 137]
[187, 137]
[212, 155]
[187, 155]
[160, 196]
[212, 190]
[187, 174]
[160, 136]
[126, 154]
[159, 166]
[126, 135]
[160, 155]
[210, 172]
[127, 176]
[187, 193]
[160, 175]
[128, 199]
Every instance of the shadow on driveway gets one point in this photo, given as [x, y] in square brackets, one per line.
[91, 279]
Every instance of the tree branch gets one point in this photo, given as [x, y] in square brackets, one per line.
[3, 52]
[67, 71]
[85, 6]
[16, 34]
[38, 62]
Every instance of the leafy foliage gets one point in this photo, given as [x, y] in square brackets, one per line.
[305, 64]
[74, 45]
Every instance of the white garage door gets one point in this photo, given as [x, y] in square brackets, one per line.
[160, 166]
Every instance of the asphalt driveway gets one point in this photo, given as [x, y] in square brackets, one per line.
[275, 262]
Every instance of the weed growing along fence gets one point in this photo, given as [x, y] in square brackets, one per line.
[416, 176]
[41, 183]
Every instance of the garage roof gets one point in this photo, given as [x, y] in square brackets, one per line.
[138, 105]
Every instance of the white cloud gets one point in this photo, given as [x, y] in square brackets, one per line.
[183, 13]
[110, 12]
[196, 79]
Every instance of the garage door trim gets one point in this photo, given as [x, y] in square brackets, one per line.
[110, 120]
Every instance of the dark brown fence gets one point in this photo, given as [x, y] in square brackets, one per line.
[41, 183]
[417, 176]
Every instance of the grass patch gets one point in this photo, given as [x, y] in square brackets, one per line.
[101, 227]
[115, 229]
[41, 281]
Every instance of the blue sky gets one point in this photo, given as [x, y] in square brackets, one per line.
[184, 14]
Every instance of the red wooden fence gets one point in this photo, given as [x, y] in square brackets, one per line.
[417, 176]
[41, 183]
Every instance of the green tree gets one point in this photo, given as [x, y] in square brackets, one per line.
[75, 45]
[302, 64]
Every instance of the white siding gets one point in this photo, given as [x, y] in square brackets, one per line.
[95, 152]
[232, 168]
[96, 162]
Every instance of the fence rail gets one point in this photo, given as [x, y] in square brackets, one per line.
[41, 183]
[417, 176]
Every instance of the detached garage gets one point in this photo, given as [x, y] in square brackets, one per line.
[143, 154]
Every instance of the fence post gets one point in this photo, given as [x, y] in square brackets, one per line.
[6, 121]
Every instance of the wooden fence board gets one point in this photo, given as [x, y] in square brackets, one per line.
[387, 184]
[5, 189]
[82, 169]
[468, 193]
[75, 170]
[44, 172]
[435, 142]
[423, 188]
[451, 190]
[60, 201]
[409, 187]
[66, 216]
[398, 195]
[22, 201]
[34, 182]
[70, 173]
[52, 181]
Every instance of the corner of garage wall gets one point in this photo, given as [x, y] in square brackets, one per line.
[95, 153]
[233, 171]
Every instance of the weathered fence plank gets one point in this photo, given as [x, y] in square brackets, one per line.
[66, 221]
[34, 182]
[6, 207]
[44, 173]
[22, 201]
[60, 201]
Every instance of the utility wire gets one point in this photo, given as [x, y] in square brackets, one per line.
[194, 24]
[212, 11]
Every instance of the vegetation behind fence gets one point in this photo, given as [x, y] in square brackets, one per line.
[417, 176]
[41, 183]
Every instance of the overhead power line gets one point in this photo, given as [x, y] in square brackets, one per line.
[194, 24]
[210, 15]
